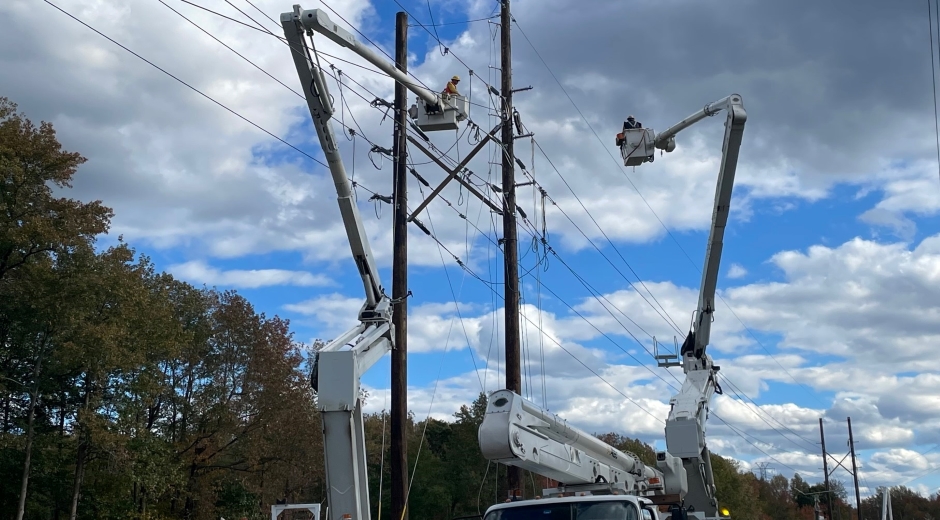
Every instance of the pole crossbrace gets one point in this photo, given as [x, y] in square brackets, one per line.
[454, 174]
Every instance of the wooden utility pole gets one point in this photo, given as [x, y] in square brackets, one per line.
[822, 440]
[510, 245]
[858, 497]
[399, 408]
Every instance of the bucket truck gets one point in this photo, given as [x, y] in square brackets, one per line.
[339, 365]
[514, 430]
[517, 432]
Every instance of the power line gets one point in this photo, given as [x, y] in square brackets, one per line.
[742, 396]
[570, 307]
[301, 96]
[556, 342]
[757, 412]
[370, 41]
[454, 294]
[194, 89]
[266, 31]
[462, 22]
[667, 318]
[234, 20]
[447, 49]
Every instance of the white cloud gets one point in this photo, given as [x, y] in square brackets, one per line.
[197, 271]
[737, 271]
[892, 410]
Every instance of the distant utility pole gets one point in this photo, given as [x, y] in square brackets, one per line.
[853, 471]
[858, 497]
[399, 407]
[510, 246]
[822, 440]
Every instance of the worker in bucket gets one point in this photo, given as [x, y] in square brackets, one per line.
[451, 88]
[631, 122]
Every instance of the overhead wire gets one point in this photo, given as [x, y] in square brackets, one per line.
[557, 343]
[194, 89]
[371, 42]
[263, 29]
[451, 52]
[595, 373]
[462, 22]
[668, 318]
[233, 19]
[455, 297]
[730, 426]
[298, 94]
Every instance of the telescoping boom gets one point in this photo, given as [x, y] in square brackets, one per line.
[517, 432]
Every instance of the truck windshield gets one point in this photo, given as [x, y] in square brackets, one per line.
[613, 510]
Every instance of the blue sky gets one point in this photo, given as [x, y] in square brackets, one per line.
[831, 260]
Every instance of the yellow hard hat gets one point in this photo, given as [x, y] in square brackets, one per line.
[455, 78]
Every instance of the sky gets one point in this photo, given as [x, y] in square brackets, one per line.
[829, 296]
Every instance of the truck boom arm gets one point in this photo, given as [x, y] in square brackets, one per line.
[685, 426]
[339, 365]
[317, 20]
[518, 433]
[734, 131]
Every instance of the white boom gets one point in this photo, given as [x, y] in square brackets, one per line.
[516, 432]
[339, 365]
[317, 20]
[436, 112]
[685, 426]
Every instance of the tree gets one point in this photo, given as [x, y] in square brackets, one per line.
[735, 490]
[33, 221]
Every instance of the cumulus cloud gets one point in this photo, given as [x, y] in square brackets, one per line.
[892, 412]
[198, 271]
[737, 271]
[157, 148]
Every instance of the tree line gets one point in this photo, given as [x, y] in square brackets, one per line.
[128, 394]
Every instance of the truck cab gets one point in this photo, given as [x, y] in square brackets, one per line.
[591, 507]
